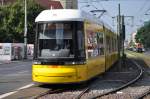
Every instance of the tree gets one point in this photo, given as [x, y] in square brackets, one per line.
[143, 35]
[12, 21]
[35, 10]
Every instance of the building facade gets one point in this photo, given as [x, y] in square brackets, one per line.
[68, 4]
[47, 4]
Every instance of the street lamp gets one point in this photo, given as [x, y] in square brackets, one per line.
[25, 30]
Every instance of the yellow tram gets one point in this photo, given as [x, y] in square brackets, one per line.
[71, 46]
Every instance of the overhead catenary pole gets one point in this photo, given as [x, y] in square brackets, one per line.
[122, 34]
[25, 29]
[119, 30]
[123, 39]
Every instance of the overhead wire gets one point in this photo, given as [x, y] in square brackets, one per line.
[107, 12]
[140, 10]
[105, 9]
[142, 7]
[148, 10]
[88, 2]
[138, 13]
[98, 1]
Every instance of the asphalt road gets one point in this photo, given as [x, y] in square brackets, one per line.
[14, 75]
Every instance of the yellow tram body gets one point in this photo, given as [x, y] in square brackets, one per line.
[76, 72]
[68, 74]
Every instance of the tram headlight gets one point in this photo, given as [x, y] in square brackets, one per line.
[36, 62]
[74, 63]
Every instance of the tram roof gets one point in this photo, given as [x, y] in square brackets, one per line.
[52, 15]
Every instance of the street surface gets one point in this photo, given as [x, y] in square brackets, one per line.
[14, 75]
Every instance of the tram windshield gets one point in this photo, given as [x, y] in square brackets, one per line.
[60, 40]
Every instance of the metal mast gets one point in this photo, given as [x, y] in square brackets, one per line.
[25, 30]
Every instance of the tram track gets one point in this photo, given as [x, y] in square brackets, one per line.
[88, 90]
[124, 95]
[116, 89]
[125, 85]
[82, 93]
[98, 88]
[50, 91]
[143, 95]
[146, 92]
[68, 93]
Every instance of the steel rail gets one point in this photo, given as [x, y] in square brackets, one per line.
[143, 95]
[82, 93]
[88, 88]
[47, 92]
[125, 85]
[85, 90]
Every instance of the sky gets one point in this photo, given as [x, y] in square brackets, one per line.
[129, 8]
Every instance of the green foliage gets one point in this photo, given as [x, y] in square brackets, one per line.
[143, 35]
[12, 21]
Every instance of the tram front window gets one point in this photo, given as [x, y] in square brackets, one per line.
[57, 40]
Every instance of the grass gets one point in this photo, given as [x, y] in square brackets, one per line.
[145, 58]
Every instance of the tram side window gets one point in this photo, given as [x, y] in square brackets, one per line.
[100, 46]
[108, 46]
[116, 45]
[112, 41]
[91, 44]
[95, 44]
[80, 36]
